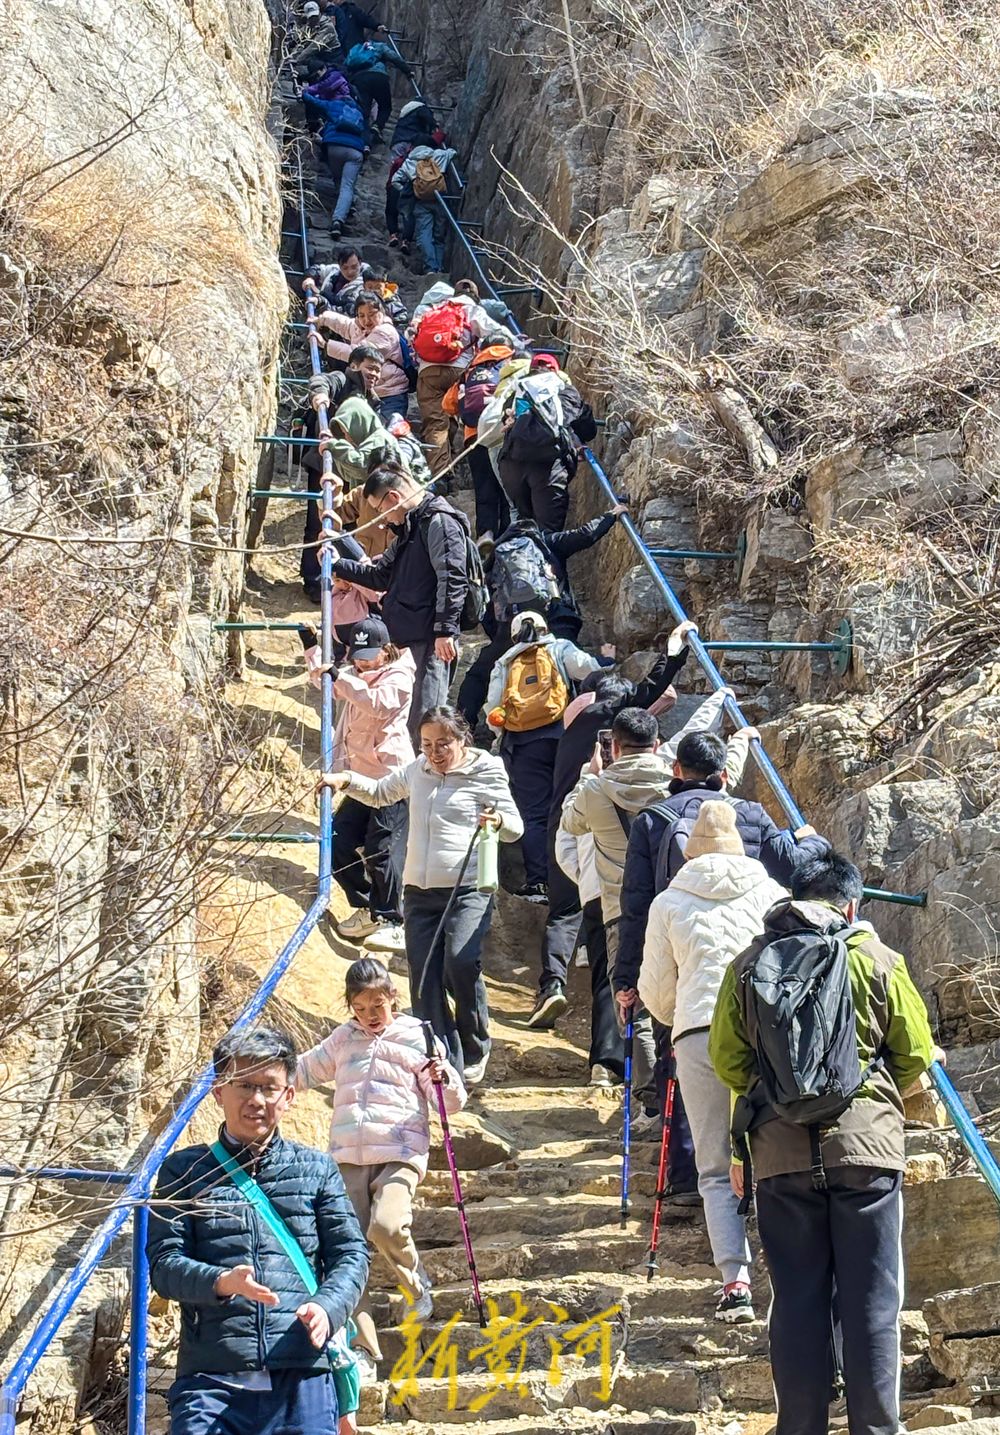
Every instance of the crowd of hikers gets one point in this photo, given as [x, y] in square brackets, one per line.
[772, 1036]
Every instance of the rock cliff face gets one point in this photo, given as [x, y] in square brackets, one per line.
[762, 232]
[141, 306]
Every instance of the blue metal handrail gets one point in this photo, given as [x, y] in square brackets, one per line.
[133, 1200]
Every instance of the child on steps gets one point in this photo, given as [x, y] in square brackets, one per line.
[380, 1133]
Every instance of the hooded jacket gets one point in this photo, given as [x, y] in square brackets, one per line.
[331, 86]
[382, 1092]
[200, 1225]
[423, 573]
[646, 864]
[358, 434]
[708, 915]
[604, 804]
[443, 812]
[416, 124]
[372, 736]
[407, 171]
[573, 663]
[891, 1021]
[335, 131]
[383, 337]
[480, 330]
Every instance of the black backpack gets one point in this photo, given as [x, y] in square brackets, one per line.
[673, 844]
[477, 595]
[801, 1022]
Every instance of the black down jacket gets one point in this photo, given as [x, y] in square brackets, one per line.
[201, 1226]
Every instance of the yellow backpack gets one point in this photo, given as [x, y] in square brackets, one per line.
[536, 693]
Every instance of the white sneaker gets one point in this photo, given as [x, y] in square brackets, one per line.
[367, 1368]
[581, 959]
[474, 1074]
[387, 937]
[602, 1076]
[357, 926]
[423, 1307]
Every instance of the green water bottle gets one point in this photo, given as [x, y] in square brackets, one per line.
[488, 879]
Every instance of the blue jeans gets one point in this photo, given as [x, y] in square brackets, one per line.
[300, 1402]
[344, 164]
[392, 405]
[430, 227]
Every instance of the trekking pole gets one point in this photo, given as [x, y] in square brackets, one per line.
[456, 1184]
[661, 1177]
[627, 1124]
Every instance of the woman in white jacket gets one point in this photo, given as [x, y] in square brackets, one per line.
[709, 914]
[449, 788]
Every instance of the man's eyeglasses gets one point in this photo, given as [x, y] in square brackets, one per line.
[248, 1090]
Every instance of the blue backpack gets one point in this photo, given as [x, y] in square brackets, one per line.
[409, 363]
[361, 57]
[343, 116]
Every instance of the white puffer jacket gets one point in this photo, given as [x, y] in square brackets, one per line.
[444, 812]
[708, 915]
[382, 1092]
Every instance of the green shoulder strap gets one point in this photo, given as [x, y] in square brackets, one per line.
[261, 1202]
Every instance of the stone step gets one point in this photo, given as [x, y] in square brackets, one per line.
[647, 1341]
[523, 1255]
[535, 1217]
[574, 1421]
[594, 1174]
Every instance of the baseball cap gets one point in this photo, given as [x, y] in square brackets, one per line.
[545, 361]
[310, 8]
[367, 640]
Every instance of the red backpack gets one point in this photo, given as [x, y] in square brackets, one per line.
[441, 335]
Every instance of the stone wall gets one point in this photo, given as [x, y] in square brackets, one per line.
[743, 239]
[142, 305]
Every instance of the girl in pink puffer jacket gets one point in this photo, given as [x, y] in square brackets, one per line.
[380, 1132]
[373, 692]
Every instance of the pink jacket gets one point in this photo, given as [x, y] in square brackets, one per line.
[372, 736]
[393, 380]
[382, 1092]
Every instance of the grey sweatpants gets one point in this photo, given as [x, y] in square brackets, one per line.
[706, 1102]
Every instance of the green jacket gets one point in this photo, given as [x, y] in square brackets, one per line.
[358, 432]
[891, 1021]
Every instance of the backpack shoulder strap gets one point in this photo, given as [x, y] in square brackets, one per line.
[261, 1202]
[624, 818]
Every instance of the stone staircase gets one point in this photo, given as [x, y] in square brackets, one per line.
[540, 1159]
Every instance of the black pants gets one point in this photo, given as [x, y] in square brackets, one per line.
[606, 1046]
[848, 1236]
[537, 490]
[475, 684]
[530, 760]
[682, 1169]
[371, 86]
[492, 508]
[455, 967]
[562, 924]
[373, 879]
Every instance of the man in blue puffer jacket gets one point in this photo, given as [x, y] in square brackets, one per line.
[253, 1348]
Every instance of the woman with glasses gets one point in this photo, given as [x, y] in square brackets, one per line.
[453, 790]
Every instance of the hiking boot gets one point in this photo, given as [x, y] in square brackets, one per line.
[486, 544]
[313, 592]
[387, 937]
[423, 1306]
[603, 1077]
[550, 1005]
[475, 1073]
[336, 229]
[357, 926]
[377, 136]
[736, 1305]
[683, 1193]
[533, 892]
